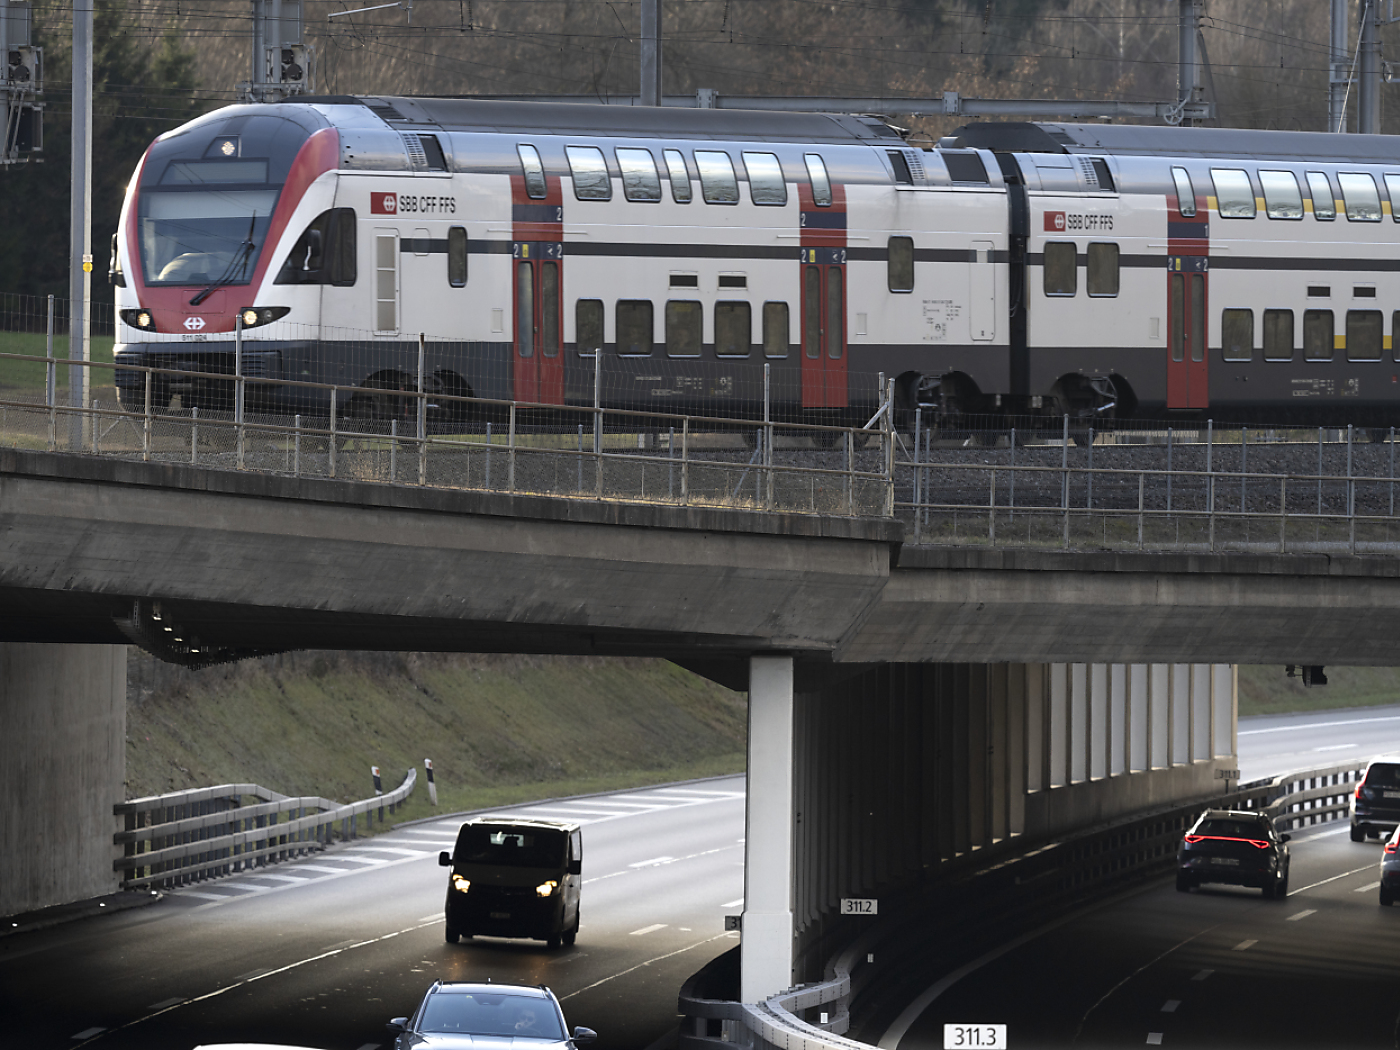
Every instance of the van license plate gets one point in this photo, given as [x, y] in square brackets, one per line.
[500, 915]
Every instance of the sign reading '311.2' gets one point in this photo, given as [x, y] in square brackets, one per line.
[859, 906]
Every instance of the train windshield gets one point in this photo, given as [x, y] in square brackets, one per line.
[198, 235]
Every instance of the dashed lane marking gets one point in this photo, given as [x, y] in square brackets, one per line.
[1367, 888]
[371, 861]
[1169, 1007]
[208, 896]
[654, 862]
[434, 917]
[1154, 1038]
[278, 878]
[88, 1033]
[173, 1001]
[1301, 914]
[1334, 878]
[1202, 975]
[1336, 747]
[1245, 945]
[392, 849]
[320, 868]
[253, 973]
[648, 929]
[250, 886]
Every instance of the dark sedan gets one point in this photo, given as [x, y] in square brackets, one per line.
[1235, 847]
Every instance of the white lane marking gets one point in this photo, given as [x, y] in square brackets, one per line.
[317, 867]
[1301, 914]
[173, 1001]
[1169, 1007]
[392, 849]
[1334, 878]
[1367, 888]
[88, 1033]
[733, 904]
[204, 896]
[655, 862]
[1245, 945]
[1317, 725]
[1154, 1038]
[252, 886]
[339, 944]
[640, 965]
[434, 917]
[372, 861]
[278, 878]
[1336, 747]
[648, 929]
[1202, 975]
[253, 973]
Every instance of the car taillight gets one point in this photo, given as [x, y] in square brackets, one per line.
[1193, 839]
[1358, 792]
[1258, 843]
[1390, 847]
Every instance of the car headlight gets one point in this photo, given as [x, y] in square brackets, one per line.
[460, 884]
[544, 889]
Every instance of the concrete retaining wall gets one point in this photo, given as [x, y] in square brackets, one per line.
[62, 768]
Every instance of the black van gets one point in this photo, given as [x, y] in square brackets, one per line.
[515, 878]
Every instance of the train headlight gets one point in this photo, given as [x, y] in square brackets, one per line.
[141, 319]
[544, 889]
[257, 316]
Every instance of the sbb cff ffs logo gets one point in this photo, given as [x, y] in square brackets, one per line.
[383, 203]
[1054, 222]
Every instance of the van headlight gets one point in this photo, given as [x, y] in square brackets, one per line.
[544, 889]
[460, 884]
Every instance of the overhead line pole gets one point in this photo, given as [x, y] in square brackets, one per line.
[651, 53]
[1368, 97]
[1339, 75]
[80, 218]
[1188, 74]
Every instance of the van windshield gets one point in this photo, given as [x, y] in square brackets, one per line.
[510, 847]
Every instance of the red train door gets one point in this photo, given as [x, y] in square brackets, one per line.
[1187, 360]
[823, 329]
[539, 365]
[537, 281]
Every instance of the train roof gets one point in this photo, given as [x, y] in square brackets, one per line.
[1148, 141]
[494, 115]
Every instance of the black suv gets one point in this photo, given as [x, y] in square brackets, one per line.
[1237, 847]
[1375, 805]
[463, 1015]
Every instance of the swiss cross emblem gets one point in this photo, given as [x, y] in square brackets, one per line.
[384, 203]
[194, 324]
[1054, 222]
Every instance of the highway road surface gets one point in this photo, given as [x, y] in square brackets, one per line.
[323, 951]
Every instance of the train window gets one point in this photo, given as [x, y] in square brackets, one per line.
[1282, 198]
[812, 311]
[766, 185]
[1392, 190]
[1237, 335]
[679, 175]
[684, 322]
[717, 182]
[457, 257]
[634, 327]
[588, 326]
[965, 167]
[821, 185]
[549, 308]
[733, 329]
[1234, 196]
[1198, 316]
[1365, 335]
[733, 280]
[685, 280]
[1185, 194]
[343, 249]
[590, 173]
[639, 179]
[1061, 268]
[534, 171]
[1278, 335]
[325, 251]
[1102, 269]
[525, 309]
[1324, 205]
[1102, 175]
[1176, 314]
[1318, 341]
[1363, 203]
[835, 313]
[386, 281]
[901, 264]
[1363, 291]
[776, 331]
[901, 167]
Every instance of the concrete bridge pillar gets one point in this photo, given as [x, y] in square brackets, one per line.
[767, 941]
[62, 768]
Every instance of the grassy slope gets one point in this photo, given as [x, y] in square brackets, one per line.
[1266, 690]
[498, 729]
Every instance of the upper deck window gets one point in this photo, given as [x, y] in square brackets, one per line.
[534, 171]
[821, 185]
[1234, 196]
[766, 185]
[965, 167]
[1324, 204]
[639, 179]
[717, 181]
[1282, 198]
[1185, 193]
[1392, 189]
[590, 173]
[679, 176]
[1359, 193]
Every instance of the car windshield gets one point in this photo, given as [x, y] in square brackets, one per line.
[1383, 775]
[491, 1013]
[197, 237]
[512, 847]
[1231, 829]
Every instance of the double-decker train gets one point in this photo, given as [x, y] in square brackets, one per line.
[1018, 269]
